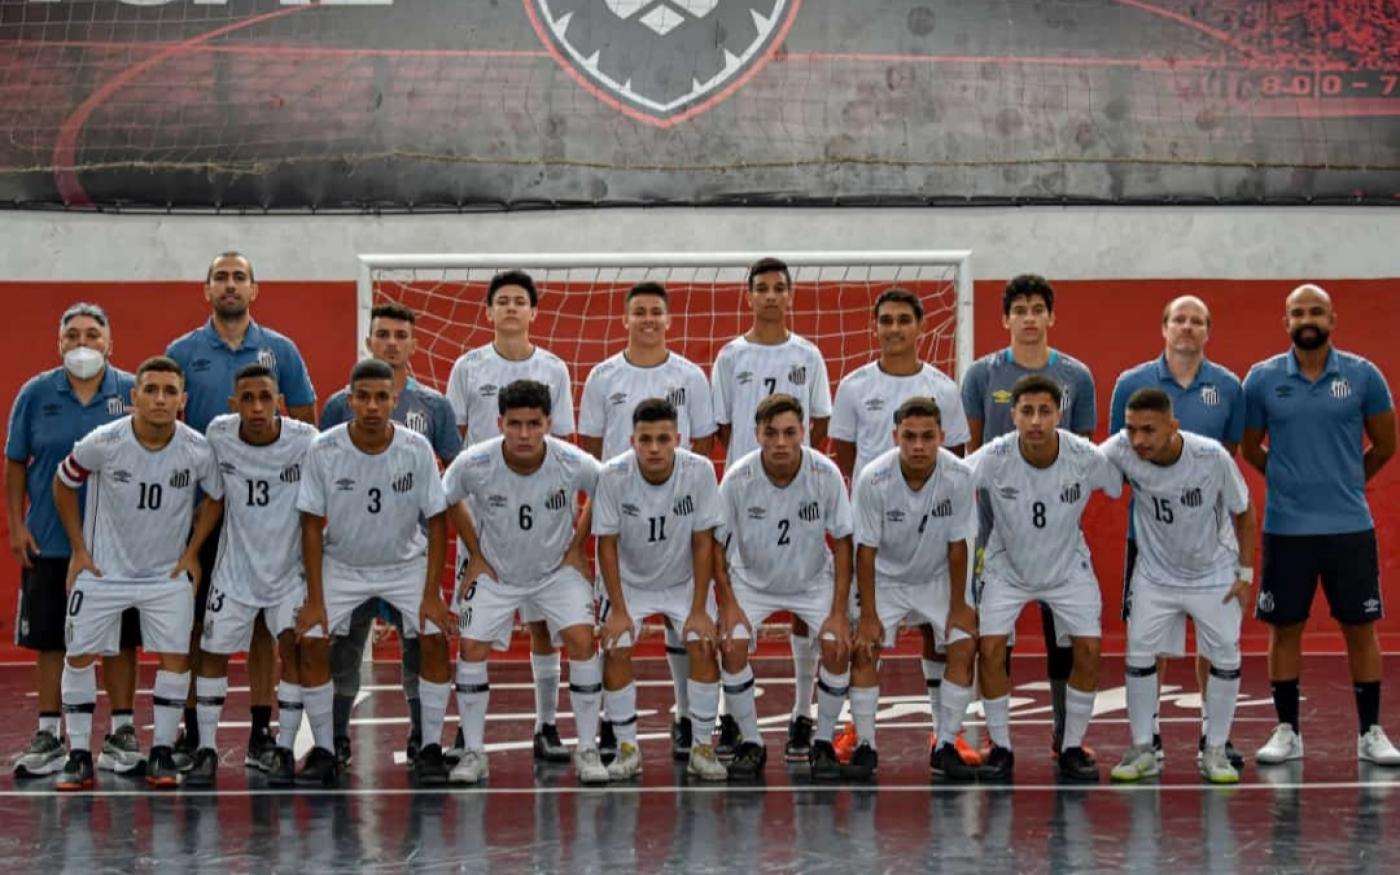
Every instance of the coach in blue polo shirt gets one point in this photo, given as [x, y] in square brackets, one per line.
[52, 412]
[1315, 404]
[211, 355]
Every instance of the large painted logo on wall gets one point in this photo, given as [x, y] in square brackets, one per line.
[662, 61]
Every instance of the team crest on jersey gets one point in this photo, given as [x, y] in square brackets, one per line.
[344, 484]
[943, 508]
[894, 516]
[403, 483]
[1064, 397]
[617, 399]
[798, 375]
[1210, 396]
[267, 358]
[1009, 492]
[676, 396]
[629, 509]
[488, 390]
[1341, 388]
[291, 473]
[417, 421]
[810, 512]
[1192, 497]
[496, 502]
[757, 513]
[683, 506]
[1071, 493]
[743, 378]
[121, 476]
[180, 479]
[115, 407]
[1265, 603]
[557, 501]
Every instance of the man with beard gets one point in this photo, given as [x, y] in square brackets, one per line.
[1315, 403]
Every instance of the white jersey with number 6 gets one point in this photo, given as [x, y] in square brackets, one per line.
[911, 530]
[745, 373]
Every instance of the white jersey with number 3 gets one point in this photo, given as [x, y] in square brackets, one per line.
[479, 375]
[911, 530]
[745, 373]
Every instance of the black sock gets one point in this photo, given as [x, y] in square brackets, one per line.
[415, 715]
[192, 725]
[340, 715]
[1286, 701]
[1368, 703]
[262, 720]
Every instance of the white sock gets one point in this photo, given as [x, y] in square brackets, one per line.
[79, 690]
[678, 658]
[933, 679]
[1222, 691]
[209, 696]
[952, 708]
[473, 693]
[52, 723]
[585, 694]
[1141, 683]
[319, 703]
[738, 692]
[1079, 707]
[168, 696]
[831, 695]
[804, 671]
[432, 699]
[545, 667]
[704, 710]
[289, 713]
[865, 701]
[122, 718]
[621, 706]
[998, 713]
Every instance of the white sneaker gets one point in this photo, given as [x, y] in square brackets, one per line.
[121, 752]
[705, 764]
[1284, 745]
[45, 755]
[1137, 763]
[1216, 768]
[627, 764]
[589, 766]
[472, 768]
[1374, 747]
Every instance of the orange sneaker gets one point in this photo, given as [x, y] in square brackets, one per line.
[970, 757]
[845, 743]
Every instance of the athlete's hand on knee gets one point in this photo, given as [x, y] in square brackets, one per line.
[837, 629]
[870, 635]
[964, 618]
[731, 619]
[434, 610]
[700, 628]
[188, 564]
[618, 625]
[79, 562]
[309, 616]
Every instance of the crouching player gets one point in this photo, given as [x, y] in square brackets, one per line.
[1195, 535]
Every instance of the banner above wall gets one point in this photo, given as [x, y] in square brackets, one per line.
[393, 105]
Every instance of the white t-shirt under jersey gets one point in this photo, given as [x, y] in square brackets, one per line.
[654, 522]
[911, 530]
[260, 545]
[140, 502]
[616, 386]
[524, 522]
[775, 536]
[1036, 540]
[372, 503]
[745, 373]
[480, 374]
[1183, 512]
[867, 398]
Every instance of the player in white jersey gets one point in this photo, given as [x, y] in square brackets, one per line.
[366, 487]
[1036, 482]
[647, 369]
[512, 303]
[526, 550]
[130, 550]
[260, 456]
[780, 503]
[765, 360]
[654, 516]
[914, 514]
[1195, 534]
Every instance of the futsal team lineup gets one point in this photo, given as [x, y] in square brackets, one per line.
[211, 505]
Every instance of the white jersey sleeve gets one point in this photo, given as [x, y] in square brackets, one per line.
[654, 522]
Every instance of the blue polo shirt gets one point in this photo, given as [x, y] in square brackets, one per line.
[419, 408]
[210, 366]
[986, 392]
[45, 422]
[1317, 482]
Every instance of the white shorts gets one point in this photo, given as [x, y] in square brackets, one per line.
[404, 591]
[528, 613]
[95, 608]
[673, 603]
[910, 605]
[228, 623]
[486, 611]
[1077, 605]
[811, 607]
[1157, 622]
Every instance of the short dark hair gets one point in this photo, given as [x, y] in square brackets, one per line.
[1149, 398]
[1033, 384]
[159, 364]
[253, 371]
[1027, 285]
[232, 253]
[370, 369]
[530, 394]
[769, 265]
[83, 308]
[775, 404]
[393, 311]
[918, 406]
[513, 278]
[900, 296]
[648, 288]
[654, 410]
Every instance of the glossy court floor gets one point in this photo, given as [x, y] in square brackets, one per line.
[1327, 814]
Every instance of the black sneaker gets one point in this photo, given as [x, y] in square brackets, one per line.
[281, 771]
[342, 752]
[259, 744]
[749, 760]
[186, 743]
[945, 762]
[204, 770]
[729, 738]
[548, 747]
[1157, 747]
[411, 747]
[799, 740]
[1076, 765]
[1235, 757]
[997, 766]
[822, 758]
[161, 770]
[682, 736]
[863, 764]
[429, 767]
[607, 741]
[77, 772]
[319, 770]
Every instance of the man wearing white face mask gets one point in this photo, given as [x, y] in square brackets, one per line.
[53, 411]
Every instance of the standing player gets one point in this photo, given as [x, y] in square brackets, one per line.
[654, 516]
[1035, 483]
[647, 369]
[1028, 312]
[427, 412]
[914, 514]
[52, 412]
[780, 503]
[129, 550]
[211, 355]
[770, 359]
[1316, 404]
[258, 573]
[1196, 558]
[1207, 400]
[512, 303]
[526, 551]
[365, 487]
